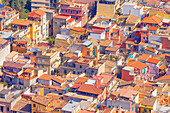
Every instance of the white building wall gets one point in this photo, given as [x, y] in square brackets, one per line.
[3, 53]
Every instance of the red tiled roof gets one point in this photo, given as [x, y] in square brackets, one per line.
[153, 61]
[149, 49]
[90, 89]
[57, 80]
[152, 28]
[97, 31]
[144, 57]
[162, 67]
[111, 49]
[137, 64]
[61, 16]
[152, 20]
[80, 29]
[164, 77]
[36, 12]
[46, 77]
[70, 20]
[127, 92]
[76, 86]
[11, 64]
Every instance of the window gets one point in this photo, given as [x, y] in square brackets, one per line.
[144, 32]
[143, 38]
[109, 106]
[7, 108]
[77, 18]
[144, 24]
[145, 110]
[42, 60]
[132, 108]
[34, 105]
[38, 60]
[71, 11]
[65, 72]
[77, 12]
[80, 66]
[14, 112]
[66, 10]
[64, 5]
[63, 10]
[74, 72]
[129, 46]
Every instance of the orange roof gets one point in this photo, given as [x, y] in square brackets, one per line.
[162, 67]
[164, 77]
[22, 22]
[81, 80]
[57, 80]
[144, 57]
[152, 20]
[137, 64]
[69, 55]
[153, 61]
[80, 29]
[61, 16]
[70, 20]
[38, 11]
[149, 49]
[105, 42]
[153, 28]
[46, 77]
[88, 88]
[28, 70]
[111, 48]
[141, 43]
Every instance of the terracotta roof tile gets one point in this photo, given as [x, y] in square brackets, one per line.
[81, 80]
[105, 42]
[80, 29]
[61, 16]
[164, 77]
[90, 89]
[42, 100]
[153, 61]
[137, 64]
[152, 20]
[144, 57]
[148, 101]
[58, 80]
[112, 49]
[162, 67]
[22, 22]
[152, 28]
[149, 49]
[38, 11]
[46, 77]
[70, 20]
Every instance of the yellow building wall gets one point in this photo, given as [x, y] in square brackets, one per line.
[19, 49]
[142, 107]
[85, 50]
[163, 14]
[107, 10]
[39, 106]
[76, 32]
